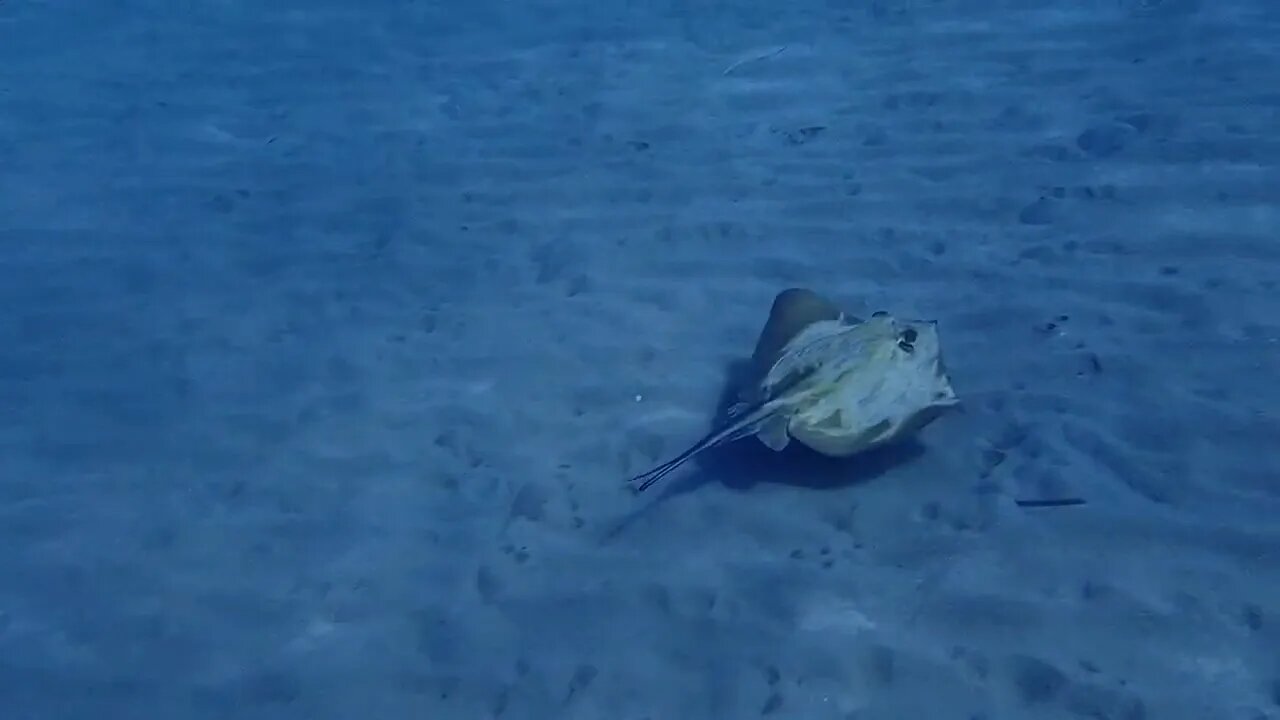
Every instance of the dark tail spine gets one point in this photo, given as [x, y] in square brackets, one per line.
[741, 426]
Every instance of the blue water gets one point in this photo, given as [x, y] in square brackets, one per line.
[328, 332]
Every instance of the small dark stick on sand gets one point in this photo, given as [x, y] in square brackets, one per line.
[1060, 502]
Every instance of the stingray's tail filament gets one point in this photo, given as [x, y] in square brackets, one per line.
[719, 436]
[649, 478]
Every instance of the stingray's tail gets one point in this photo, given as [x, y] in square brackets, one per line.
[649, 478]
[735, 430]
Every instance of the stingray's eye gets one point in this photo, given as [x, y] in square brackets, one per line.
[909, 335]
[879, 313]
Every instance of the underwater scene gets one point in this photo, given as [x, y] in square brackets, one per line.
[640, 360]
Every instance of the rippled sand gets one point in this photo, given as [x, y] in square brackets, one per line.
[330, 331]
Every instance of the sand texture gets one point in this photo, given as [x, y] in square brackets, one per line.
[330, 331]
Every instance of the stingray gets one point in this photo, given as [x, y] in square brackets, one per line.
[835, 383]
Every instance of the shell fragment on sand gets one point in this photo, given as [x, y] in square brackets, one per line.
[832, 382]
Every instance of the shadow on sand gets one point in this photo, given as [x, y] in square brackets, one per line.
[741, 465]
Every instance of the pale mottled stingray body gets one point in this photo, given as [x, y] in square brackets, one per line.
[836, 384]
[869, 386]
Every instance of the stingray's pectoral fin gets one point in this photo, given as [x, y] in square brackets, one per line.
[773, 433]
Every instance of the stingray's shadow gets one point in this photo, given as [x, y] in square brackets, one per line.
[743, 464]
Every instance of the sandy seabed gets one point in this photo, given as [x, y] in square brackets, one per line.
[330, 331]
